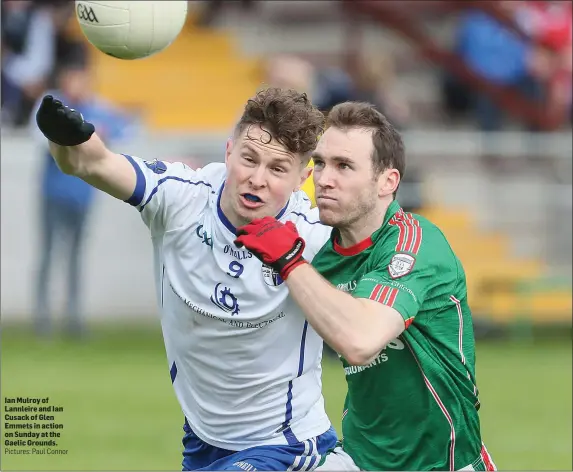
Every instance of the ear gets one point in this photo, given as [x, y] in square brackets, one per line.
[228, 150]
[388, 182]
[304, 175]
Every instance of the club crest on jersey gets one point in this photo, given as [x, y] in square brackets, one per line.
[401, 265]
[225, 300]
[156, 166]
[271, 276]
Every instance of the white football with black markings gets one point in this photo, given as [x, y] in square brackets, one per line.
[131, 29]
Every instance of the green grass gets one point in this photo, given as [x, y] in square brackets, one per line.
[120, 412]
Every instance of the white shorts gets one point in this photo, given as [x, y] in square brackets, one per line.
[337, 459]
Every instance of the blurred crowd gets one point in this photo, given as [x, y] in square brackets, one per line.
[540, 69]
[532, 54]
[36, 44]
[39, 56]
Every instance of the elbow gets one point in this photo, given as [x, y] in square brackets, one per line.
[357, 357]
[63, 159]
[67, 162]
[358, 351]
[70, 168]
[67, 168]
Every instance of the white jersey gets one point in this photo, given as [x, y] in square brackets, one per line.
[245, 364]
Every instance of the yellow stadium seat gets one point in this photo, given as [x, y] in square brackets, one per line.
[200, 82]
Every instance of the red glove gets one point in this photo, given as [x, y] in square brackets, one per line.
[275, 244]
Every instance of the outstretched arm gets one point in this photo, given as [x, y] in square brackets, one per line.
[79, 151]
[94, 163]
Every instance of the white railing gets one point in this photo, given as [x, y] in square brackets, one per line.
[118, 268]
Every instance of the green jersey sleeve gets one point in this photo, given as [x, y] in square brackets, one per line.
[404, 280]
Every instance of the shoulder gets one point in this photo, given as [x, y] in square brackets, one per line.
[211, 175]
[299, 210]
[299, 203]
[174, 180]
[306, 219]
[203, 181]
[410, 232]
[314, 233]
[409, 239]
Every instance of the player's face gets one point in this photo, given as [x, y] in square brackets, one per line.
[261, 176]
[347, 191]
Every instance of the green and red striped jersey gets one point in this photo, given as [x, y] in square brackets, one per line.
[414, 407]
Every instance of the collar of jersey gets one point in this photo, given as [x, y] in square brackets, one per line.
[357, 248]
[351, 250]
[226, 221]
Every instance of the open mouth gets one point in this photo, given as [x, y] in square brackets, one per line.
[252, 198]
[251, 201]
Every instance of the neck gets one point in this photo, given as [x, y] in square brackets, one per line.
[364, 227]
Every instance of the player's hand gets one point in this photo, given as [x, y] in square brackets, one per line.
[275, 244]
[62, 125]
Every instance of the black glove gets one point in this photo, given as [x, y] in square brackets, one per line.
[62, 125]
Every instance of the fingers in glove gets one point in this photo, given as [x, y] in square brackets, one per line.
[47, 100]
[61, 124]
[75, 118]
[266, 219]
[290, 225]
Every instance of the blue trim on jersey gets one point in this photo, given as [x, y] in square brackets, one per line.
[139, 191]
[173, 372]
[201, 456]
[222, 216]
[162, 284]
[317, 222]
[302, 344]
[226, 221]
[171, 177]
[287, 432]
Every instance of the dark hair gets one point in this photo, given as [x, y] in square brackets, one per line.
[388, 150]
[288, 116]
